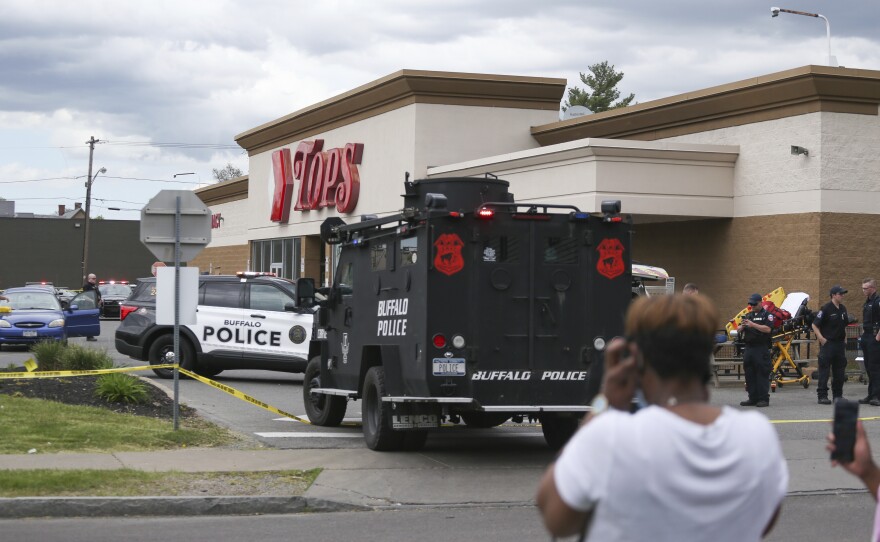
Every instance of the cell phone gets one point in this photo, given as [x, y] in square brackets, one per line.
[846, 414]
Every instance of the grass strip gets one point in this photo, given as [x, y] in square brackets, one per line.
[135, 483]
[50, 427]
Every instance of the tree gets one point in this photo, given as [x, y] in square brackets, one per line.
[227, 173]
[603, 80]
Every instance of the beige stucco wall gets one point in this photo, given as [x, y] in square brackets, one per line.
[650, 178]
[841, 173]
[233, 229]
[407, 139]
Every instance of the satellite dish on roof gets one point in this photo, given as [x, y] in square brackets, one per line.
[575, 111]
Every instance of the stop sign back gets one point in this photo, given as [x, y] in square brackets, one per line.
[158, 225]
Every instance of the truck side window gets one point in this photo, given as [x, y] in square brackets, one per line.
[561, 250]
[345, 280]
[408, 249]
[501, 249]
[265, 297]
[223, 294]
[379, 257]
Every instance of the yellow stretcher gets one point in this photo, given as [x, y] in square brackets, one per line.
[787, 369]
[786, 365]
[777, 296]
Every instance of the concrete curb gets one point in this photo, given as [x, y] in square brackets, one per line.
[65, 507]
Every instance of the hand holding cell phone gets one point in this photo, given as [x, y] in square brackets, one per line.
[846, 417]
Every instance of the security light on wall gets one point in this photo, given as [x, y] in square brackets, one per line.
[795, 150]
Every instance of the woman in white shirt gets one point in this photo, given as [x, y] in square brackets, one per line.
[677, 469]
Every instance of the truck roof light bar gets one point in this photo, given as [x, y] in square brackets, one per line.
[528, 208]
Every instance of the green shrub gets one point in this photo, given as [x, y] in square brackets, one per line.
[49, 355]
[77, 358]
[121, 388]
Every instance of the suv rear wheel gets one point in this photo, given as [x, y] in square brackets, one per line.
[162, 352]
[325, 410]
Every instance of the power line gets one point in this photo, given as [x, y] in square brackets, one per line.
[103, 177]
[157, 144]
[41, 180]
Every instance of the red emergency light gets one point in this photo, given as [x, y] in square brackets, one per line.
[485, 212]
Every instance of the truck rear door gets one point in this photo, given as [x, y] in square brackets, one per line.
[537, 295]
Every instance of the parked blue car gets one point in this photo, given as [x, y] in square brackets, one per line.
[32, 314]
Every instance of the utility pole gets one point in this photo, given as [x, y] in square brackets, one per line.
[85, 259]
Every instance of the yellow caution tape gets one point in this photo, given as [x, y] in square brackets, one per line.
[869, 419]
[241, 395]
[56, 374]
[30, 365]
[222, 387]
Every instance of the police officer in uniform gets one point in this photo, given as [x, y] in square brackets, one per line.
[91, 285]
[756, 328]
[871, 340]
[830, 328]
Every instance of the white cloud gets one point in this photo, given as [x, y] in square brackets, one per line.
[200, 71]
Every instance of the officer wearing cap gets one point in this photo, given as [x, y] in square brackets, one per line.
[830, 328]
[871, 340]
[756, 330]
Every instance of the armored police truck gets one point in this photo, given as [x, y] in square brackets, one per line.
[467, 305]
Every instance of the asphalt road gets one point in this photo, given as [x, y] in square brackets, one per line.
[842, 518]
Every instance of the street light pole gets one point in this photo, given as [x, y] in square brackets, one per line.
[89, 179]
[774, 12]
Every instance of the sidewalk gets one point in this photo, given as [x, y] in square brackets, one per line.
[352, 479]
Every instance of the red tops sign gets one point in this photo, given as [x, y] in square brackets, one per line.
[326, 178]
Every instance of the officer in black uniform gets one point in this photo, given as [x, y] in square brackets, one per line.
[91, 285]
[871, 340]
[830, 328]
[756, 328]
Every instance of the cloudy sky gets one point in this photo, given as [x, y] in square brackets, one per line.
[166, 85]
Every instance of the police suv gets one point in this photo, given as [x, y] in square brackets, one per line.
[468, 306]
[244, 321]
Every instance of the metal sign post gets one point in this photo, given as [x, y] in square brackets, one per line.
[176, 221]
[176, 408]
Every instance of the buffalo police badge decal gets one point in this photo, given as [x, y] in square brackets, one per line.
[610, 262]
[449, 260]
[297, 334]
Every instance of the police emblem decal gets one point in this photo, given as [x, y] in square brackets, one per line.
[449, 260]
[297, 334]
[345, 347]
[610, 264]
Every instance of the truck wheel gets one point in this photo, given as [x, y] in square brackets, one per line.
[162, 352]
[376, 414]
[325, 410]
[558, 429]
[484, 420]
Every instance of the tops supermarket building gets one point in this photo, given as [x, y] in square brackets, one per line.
[716, 194]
